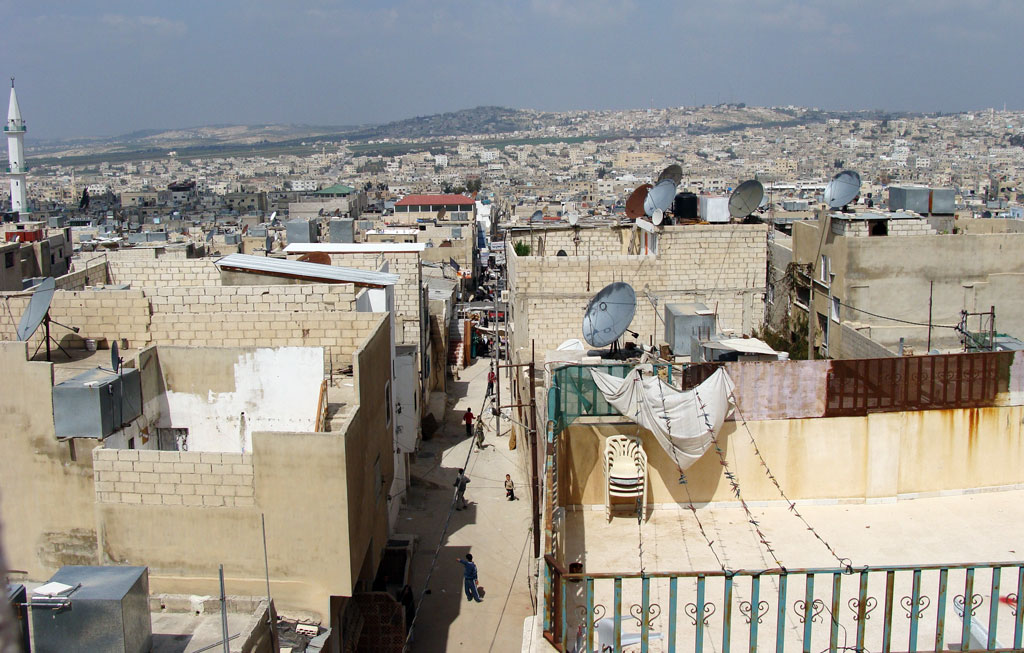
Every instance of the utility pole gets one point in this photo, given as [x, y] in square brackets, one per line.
[533, 452]
[812, 313]
[931, 288]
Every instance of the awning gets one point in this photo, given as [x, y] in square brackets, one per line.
[316, 272]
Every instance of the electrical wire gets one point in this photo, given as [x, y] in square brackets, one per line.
[504, 606]
[902, 321]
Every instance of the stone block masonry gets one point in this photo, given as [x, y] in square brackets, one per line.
[173, 478]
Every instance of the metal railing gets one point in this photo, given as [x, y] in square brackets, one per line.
[922, 608]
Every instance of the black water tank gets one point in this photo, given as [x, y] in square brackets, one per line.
[685, 206]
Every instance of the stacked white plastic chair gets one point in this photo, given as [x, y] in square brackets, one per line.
[625, 469]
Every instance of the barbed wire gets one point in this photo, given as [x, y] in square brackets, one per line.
[843, 562]
[734, 482]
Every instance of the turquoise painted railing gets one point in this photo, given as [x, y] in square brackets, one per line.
[959, 607]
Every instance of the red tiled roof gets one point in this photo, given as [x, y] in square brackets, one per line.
[433, 199]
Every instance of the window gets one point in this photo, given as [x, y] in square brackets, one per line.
[9, 260]
[387, 403]
[835, 309]
[824, 268]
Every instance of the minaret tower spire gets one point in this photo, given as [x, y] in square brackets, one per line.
[16, 169]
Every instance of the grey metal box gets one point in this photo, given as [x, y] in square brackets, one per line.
[909, 198]
[686, 323]
[343, 230]
[156, 236]
[300, 231]
[108, 613]
[943, 201]
[96, 403]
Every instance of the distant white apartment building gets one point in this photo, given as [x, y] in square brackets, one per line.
[441, 160]
[304, 185]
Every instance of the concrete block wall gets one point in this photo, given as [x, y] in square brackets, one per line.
[919, 227]
[91, 274]
[854, 344]
[173, 478]
[252, 299]
[165, 271]
[97, 313]
[723, 267]
[407, 290]
[339, 333]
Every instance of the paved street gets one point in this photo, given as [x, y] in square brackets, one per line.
[494, 530]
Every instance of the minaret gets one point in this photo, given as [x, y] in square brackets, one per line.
[16, 169]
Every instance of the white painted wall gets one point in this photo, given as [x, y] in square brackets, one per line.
[275, 390]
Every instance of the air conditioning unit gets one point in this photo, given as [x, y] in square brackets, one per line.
[503, 298]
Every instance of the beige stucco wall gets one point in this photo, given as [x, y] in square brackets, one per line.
[46, 498]
[890, 275]
[881, 456]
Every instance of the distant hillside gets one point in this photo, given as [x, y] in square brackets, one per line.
[481, 120]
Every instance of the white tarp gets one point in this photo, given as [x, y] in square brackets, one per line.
[678, 420]
[743, 345]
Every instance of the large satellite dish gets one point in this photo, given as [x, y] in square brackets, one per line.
[635, 203]
[537, 216]
[746, 198]
[38, 306]
[660, 197]
[609, 314]
[842, 189]
[673, 172]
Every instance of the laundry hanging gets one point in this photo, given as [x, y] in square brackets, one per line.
[677, 419]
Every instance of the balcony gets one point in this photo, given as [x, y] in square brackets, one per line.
[17, 170]
[15, 128]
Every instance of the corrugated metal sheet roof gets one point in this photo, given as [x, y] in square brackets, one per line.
[420, 200]
[279, 267]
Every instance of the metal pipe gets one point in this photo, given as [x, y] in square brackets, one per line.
[224, 613]
[534, 452]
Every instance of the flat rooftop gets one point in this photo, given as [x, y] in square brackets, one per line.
[980, 528]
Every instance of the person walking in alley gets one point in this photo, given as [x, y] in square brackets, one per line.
[469, 578]
[510, 488]
[468, 418]
[490, 382]
[460, 492]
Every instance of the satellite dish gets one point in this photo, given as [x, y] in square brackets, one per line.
[209, 236]
[673, 172]
[323, 258]
[37, 308]
[842, 189]
[573, 218]
[635, 203]
[273, 215]
[746, 198]
[440, 213]
[537, 216]
[657, 216]
[660, 197]
[609, 314]
[561, 252]
[115, 358]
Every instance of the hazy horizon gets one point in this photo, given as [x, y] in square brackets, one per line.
[107, 68]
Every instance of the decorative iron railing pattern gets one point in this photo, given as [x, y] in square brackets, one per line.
[893, 608]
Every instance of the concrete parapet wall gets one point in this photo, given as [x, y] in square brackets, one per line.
[173, 478]
[252, 299]
[164, 271]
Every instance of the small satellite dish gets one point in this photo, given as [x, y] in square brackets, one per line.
[635, 203]
[537, 216]
[842, 189]
[561, 252]
[323, 258]
[573, 219]
[272, 216]
[440, 213]
[657, 216]
[37, 308]
[660, 197]
[609, 314]
[115, 358]
[673, 172]
[209, 236]
[746, 198]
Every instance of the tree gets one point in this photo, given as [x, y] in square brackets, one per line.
[521, 248]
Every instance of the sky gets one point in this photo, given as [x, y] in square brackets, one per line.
[93, 68]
